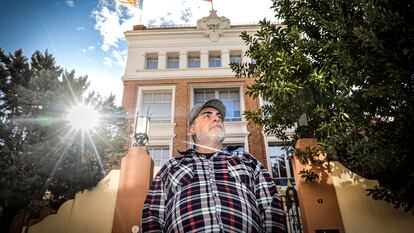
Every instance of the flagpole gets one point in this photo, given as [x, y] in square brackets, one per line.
[140, 6]
[212, 8]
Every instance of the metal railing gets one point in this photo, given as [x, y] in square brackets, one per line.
[292, 210]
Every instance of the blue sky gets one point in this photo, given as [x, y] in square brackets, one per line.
[87, 35]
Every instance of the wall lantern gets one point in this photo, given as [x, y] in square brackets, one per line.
[141, 130]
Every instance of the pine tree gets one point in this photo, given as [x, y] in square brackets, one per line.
[40, 152]
[15, 73]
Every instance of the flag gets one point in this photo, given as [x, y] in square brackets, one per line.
[128, 2]
[211, 4]
[133, 3]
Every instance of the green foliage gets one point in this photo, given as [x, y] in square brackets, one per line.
[309, 175]
[39, 150]
[310, 156]
[348, 67]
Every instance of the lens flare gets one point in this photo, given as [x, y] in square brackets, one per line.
[83, 117]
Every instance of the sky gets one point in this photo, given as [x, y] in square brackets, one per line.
[88, 35]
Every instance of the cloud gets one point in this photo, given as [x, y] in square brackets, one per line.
[80, 28]
[107, 23]
[108, 61]
[112, 20]
[105, 83]
[120, 57]
[70, 3]
[117, 58]
[90, 48]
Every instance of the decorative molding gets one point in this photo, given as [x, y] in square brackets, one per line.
[213, 25]
[188, 73]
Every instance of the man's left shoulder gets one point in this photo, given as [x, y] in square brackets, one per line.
[248, 158]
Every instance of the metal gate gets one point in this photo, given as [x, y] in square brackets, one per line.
[292, 210]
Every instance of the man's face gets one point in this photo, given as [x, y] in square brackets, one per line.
[208, 127]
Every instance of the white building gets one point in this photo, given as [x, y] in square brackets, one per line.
[169, 69]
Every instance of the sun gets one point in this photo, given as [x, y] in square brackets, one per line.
[83, 117]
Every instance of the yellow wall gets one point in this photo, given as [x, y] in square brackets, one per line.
[90, 211]
[361, 213]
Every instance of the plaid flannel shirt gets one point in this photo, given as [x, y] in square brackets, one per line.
[229, 192]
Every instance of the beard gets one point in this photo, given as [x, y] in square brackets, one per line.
[215, 135]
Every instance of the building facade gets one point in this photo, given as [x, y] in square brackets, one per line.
[169, 69]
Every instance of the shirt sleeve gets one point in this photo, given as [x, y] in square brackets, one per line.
[269, 202]
[154, 207]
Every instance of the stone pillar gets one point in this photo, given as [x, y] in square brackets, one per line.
[318, 202]
[162, 60]
[225, 58]
[135, 179]
[183, 59]
[204, 59]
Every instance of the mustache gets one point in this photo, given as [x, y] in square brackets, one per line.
[216, 125]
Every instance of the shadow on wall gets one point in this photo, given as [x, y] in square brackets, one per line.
[91, 211]
[361, 213]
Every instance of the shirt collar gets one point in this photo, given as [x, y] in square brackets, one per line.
[226, 150]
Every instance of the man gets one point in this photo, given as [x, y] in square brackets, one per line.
[212, 188]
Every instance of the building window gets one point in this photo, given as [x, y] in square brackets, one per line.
[160, 155]
[230, 98]
[151, 61]
[214, 60]
[172, 61]
[281, 165]
[235, 57]
[158, 104]
[193, 61]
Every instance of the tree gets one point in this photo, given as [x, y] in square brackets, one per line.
[40, 153]
[347, 67]
[15, 73]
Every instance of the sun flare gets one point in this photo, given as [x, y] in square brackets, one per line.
[83, 117]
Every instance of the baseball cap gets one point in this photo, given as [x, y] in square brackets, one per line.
[214, 103]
